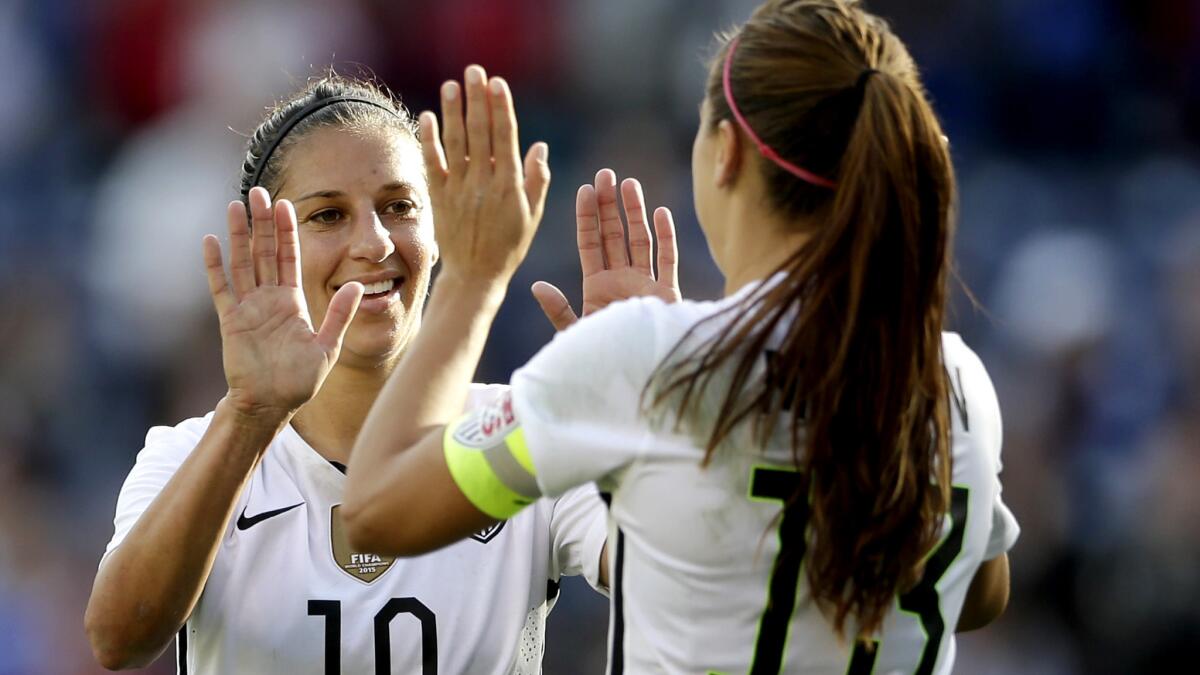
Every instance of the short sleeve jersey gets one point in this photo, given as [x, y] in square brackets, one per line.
[288, 595]
[693, 549]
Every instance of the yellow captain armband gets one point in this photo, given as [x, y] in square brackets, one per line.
[489, 460]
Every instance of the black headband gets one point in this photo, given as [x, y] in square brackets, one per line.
[305, 112]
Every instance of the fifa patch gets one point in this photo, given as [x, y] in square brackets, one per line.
[488, 425]
[365, 567]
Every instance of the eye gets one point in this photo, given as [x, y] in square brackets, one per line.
[325, 217]
[401, 208]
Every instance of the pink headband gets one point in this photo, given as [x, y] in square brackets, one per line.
[802, 174]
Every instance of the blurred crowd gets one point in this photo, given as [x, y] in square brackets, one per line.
[1075, 126]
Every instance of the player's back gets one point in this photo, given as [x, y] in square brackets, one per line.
[699, 584]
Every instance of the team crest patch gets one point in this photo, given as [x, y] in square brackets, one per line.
[366, 567]
[488, 533]
[488, 425]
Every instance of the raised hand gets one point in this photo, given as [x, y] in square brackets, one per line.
[274, 360]
[486, 203]
[613, 269]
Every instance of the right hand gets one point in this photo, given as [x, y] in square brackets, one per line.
[487, 202]
[274, 360]
[613, 271]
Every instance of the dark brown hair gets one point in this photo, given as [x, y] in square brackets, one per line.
[370, 107]
[853, 320]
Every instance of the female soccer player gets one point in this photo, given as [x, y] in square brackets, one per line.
[229, 528]
[802, 477]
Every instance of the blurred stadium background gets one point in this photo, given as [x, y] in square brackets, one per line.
[1074, 123]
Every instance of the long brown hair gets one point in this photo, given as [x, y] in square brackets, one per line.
[859, 306]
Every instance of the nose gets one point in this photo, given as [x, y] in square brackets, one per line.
[372, 241]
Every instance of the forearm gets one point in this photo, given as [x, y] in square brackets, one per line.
[426, 391]
[149, 584]
[442, 359]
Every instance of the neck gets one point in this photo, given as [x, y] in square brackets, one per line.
[332, 419]
[744, 259]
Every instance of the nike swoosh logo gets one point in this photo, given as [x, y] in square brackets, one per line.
[244, 523]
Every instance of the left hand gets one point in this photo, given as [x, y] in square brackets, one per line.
[612, 270]
[486, 204]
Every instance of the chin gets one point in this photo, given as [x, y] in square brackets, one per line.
[377, 345]
[370, 346]
[369, 357]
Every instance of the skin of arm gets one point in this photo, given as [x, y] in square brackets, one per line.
[987, 596]
[148, 586]
[274, 362]
[405, 448]
[397, 466]
[400, 496]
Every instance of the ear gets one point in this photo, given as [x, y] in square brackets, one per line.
[729, 154]
[435, 255]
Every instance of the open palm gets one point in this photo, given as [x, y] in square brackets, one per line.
[273, 358]
[615, 268]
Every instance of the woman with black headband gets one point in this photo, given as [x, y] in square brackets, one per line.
[801, 477]
[229, 531]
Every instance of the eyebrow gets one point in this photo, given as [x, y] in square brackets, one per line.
[326, 194]
[333, 194]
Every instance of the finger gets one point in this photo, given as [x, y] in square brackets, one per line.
[454, 135]
[668, 249]
[435, 157]
[537, 178]
[218, 285]
[479, 131]
[241, 263]
[262, 237]
[587, 232]
[641, 248]
[289, 244]
[554, 304]
[504, 128]
[612, 231]
[341, 311]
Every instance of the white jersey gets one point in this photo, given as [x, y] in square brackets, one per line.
[693, 549]
[287, 594]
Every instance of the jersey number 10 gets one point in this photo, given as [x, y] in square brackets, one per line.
[774, 484]
[332, 611]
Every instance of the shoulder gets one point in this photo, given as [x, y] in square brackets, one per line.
[480, 395]
[181, 437]
[956, 352]
[975, 408]
[967, 372]
[631, 336]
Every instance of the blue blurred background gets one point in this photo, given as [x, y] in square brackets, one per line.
[1074, 124]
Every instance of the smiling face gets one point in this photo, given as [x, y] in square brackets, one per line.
[362, 207]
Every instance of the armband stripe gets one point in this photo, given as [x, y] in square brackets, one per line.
[473, 473]
[510, 472]
[520, 451]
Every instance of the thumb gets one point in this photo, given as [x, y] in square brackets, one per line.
[537, 177]
[554, 304]
[337, 318]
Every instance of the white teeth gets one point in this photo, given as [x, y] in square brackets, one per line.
[379, 287]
